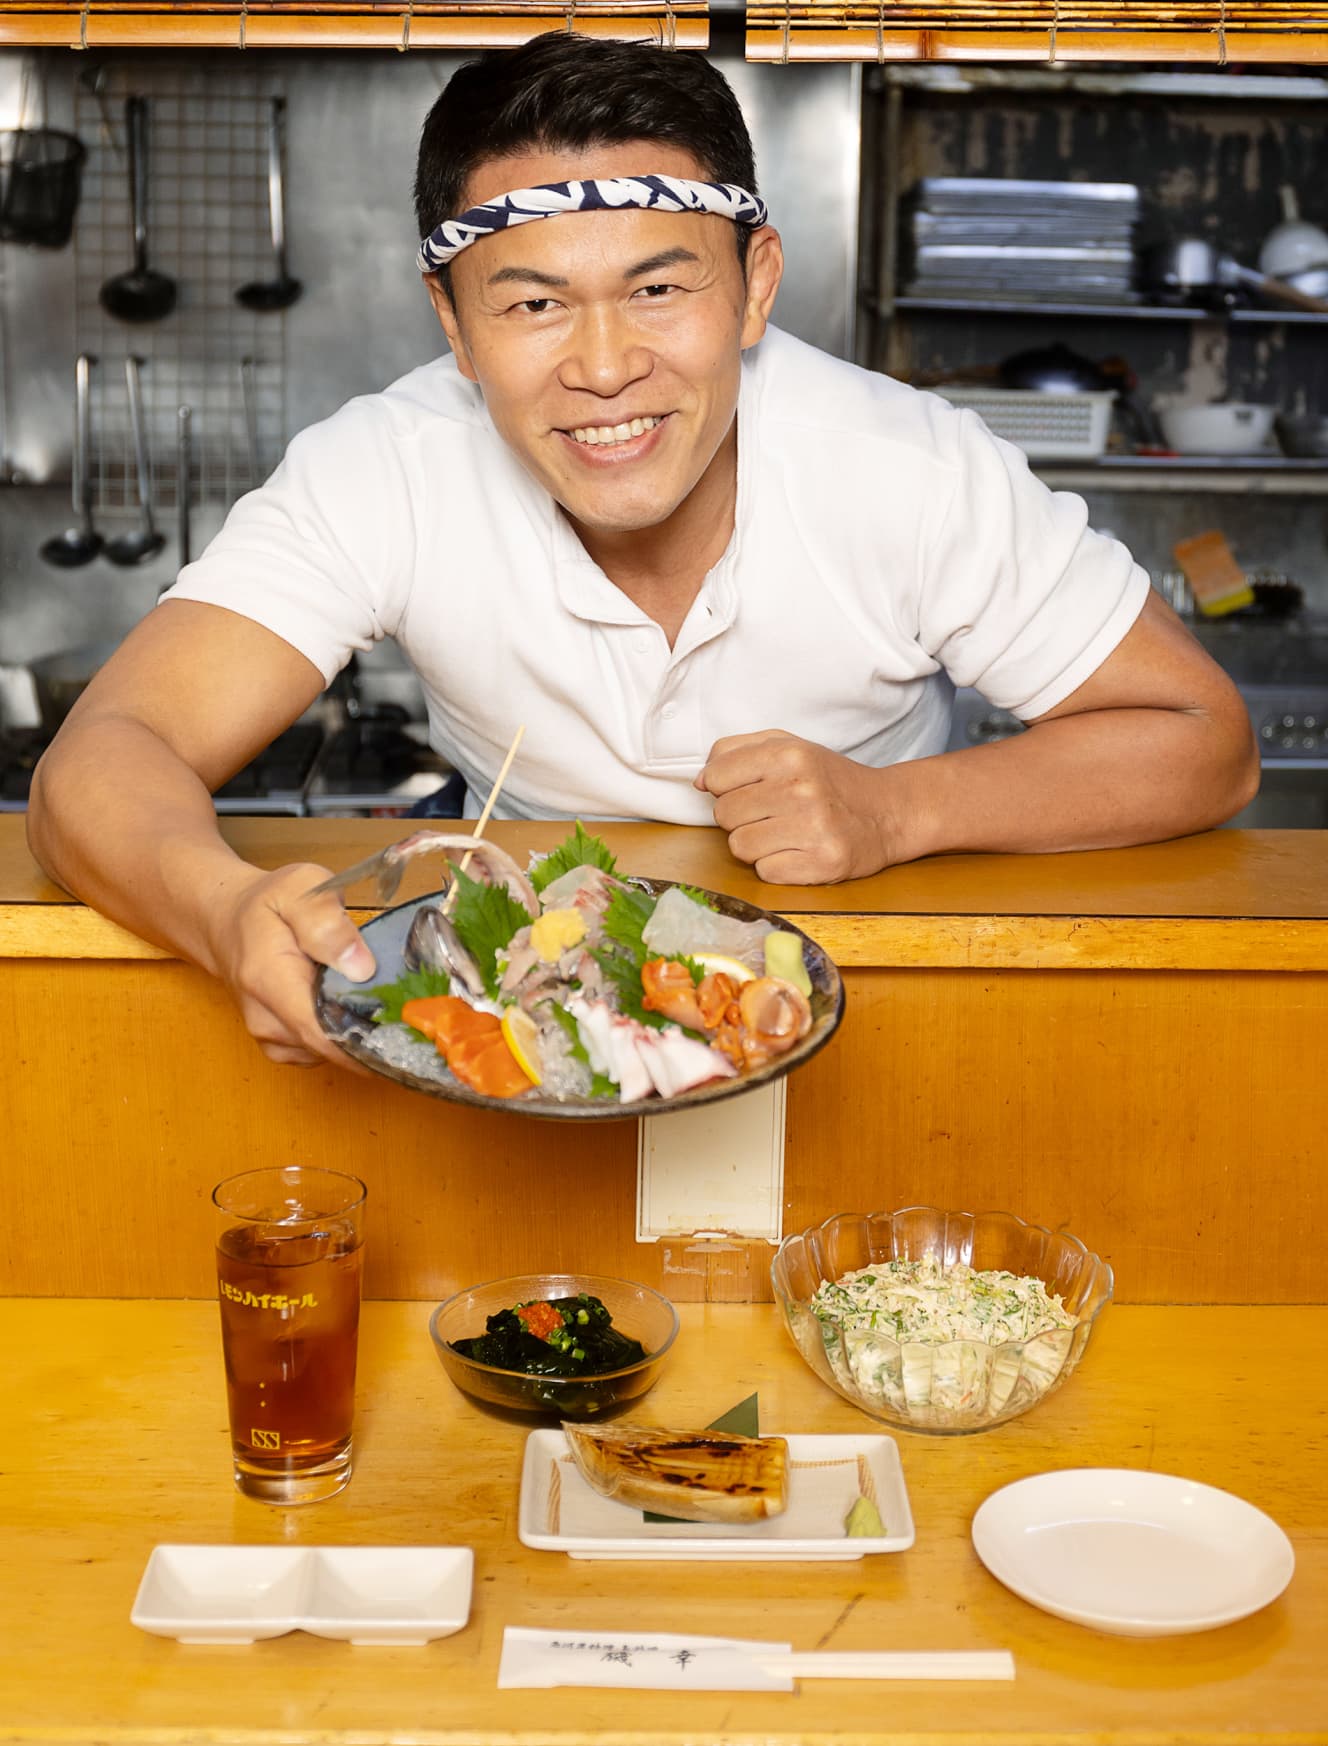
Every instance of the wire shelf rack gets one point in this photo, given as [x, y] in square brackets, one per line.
[208, 229]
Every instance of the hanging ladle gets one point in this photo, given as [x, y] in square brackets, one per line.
[141, 294]
[78, 545]
[280, 291]
[137, 548]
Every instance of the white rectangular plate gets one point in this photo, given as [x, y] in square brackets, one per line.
[560, 1513]
[360, 1594]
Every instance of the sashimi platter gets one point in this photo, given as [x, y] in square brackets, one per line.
[570, 989]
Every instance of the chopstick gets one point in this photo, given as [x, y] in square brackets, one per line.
[900, 1664]
[483, 819]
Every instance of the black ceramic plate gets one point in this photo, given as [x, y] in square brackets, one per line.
[345, 1016]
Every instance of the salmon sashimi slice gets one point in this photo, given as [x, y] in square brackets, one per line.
[444, 1019]
[474, 1043]
[426, 1015]
[463, 1021]
[492, 1071]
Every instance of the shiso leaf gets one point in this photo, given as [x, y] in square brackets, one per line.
[703, 898]
[420, 984]
[486, 918]
[624, 973]
[578, 850]
[625, 917]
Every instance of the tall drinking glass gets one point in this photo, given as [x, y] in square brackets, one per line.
[289, 1246]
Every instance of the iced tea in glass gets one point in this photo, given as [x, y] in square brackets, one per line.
[289, 1245]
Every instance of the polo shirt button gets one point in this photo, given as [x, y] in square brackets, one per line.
[641, 644]
[669, 711]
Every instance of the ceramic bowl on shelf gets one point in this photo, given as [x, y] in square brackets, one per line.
[1234, 427]
[941, 1385]
[1305, 438]
[637, 1311]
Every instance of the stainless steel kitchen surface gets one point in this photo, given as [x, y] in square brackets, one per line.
[1282, 674]
[352, 126]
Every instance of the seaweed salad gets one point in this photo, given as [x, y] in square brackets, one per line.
[560, 1336]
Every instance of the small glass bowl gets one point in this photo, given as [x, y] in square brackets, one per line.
[944, 1387]
[637, 1312]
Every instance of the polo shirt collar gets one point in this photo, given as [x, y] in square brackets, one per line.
[587, 593]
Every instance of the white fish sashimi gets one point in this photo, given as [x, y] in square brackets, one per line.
[680, 925]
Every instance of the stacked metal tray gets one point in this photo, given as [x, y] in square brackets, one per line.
[986, 236]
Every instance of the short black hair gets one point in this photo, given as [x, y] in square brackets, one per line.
[561, 92]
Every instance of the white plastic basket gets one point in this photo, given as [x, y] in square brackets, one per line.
[1047, 427]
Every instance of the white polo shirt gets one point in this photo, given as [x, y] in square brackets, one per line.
[885, 547]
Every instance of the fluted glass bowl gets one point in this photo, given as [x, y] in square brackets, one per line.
[945, 1387]
[637, 1311]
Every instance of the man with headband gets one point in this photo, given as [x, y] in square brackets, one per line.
[719, 576]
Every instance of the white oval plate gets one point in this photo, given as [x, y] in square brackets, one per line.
[1141, 1554]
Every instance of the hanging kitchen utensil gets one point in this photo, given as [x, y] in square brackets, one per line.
[141, 294]
[249, 395]
[137, 548]
[280, 291]
[78, 545]
[40, 173]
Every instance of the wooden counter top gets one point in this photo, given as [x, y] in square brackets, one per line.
[1221, 900]
[113, 1427]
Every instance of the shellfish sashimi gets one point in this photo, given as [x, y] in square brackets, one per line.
[768, 1017]
[680, 925]
[670, 991]
[702, 1006]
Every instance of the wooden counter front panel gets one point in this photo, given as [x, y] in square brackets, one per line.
[1169, 1119]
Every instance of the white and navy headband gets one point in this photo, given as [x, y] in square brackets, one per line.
[656, 193]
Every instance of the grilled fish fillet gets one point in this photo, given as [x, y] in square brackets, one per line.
[698, 1476]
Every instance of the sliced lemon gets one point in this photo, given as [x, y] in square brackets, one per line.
[522, 1037]
[712, 962]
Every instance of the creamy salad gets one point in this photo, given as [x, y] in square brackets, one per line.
[942, 1345]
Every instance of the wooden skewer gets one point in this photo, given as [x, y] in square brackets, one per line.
[483, 819]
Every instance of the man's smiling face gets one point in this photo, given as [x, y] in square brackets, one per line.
[608, 344]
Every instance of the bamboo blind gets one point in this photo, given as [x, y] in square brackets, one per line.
[1215, 32]
[402, 24]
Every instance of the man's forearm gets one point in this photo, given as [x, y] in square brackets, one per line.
[122, 822]
[1105, 778]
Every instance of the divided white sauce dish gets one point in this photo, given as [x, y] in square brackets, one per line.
[388, 1595]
